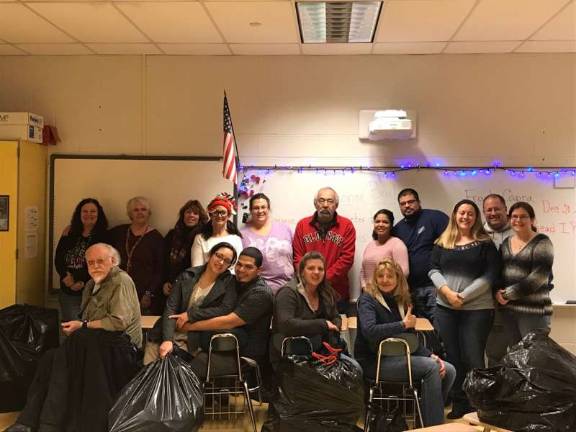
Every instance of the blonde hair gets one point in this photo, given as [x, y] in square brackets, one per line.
[401, 292]
[448, 238]
[137, 200]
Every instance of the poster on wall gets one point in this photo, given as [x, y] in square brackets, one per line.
[4, 212]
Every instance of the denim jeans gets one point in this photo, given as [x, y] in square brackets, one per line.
[464, 333]
[424, 301]
[517, 324]
[498, 340]
[434, 388]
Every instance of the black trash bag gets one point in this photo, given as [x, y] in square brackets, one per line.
[316, 397]
[533, 390]
[165, 396]
[26, 332]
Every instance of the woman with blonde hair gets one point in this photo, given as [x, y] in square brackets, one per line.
[464, 267]
[385, 310]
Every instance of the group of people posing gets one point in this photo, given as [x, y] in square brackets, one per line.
[483, 286]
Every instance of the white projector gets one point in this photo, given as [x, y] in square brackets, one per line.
[390, 124]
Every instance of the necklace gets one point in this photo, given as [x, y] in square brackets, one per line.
[130, 250]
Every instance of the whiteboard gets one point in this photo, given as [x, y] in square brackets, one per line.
[362, 193]
[167, 182]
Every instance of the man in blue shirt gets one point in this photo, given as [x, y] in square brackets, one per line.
[419, 230]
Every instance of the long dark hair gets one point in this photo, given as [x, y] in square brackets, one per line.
[390, 217]
[325, 290]
[184, 235]
[224, 245]
[528, 208]
[76, 226]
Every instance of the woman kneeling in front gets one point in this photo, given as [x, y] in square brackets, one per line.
[384, 311]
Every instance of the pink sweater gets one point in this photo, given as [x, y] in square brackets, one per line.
[374, 252]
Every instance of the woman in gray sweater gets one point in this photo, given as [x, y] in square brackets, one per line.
[527, 258]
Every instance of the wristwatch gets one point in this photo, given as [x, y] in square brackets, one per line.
[85, 323]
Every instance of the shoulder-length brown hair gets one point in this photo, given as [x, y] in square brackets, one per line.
[325, 290]
[401, 293]
[448, 238]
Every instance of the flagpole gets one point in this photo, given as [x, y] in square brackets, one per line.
[235, 191]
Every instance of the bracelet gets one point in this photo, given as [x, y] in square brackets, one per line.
[85, 323]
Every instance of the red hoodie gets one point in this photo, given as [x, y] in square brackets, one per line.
[337, 247]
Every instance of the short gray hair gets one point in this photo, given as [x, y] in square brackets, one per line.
[336, 197]
[137, 199]
[112, 252]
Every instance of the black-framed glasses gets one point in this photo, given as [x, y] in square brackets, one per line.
[219, 213]
[222, 258]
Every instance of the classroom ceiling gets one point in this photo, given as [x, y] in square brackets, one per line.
[270, 27]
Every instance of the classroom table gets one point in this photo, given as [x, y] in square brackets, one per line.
[148, 321]
[473, 419]
[448, 427]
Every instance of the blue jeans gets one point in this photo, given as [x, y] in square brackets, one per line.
[517, 324]
[69, 306]
[424, 301]
[464, 333]
[434, 388]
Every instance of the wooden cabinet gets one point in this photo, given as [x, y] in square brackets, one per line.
[22, 222]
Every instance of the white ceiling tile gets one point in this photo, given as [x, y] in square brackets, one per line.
[91, 22]
[130, 49]
[336, 49]
[408, 48]
[503, 20]
[547, 46]
[6, 49]
[481, 47]
[195, 49]
[172, 22]
[56, 49]
[277, 21]
[421, 20]
[561, 27]
[265, 49]
[20, 24]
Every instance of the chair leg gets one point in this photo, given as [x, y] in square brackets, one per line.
[368, 410]
[249, 403]
[417, 402]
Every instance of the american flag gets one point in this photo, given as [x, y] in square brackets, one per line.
[229, 168]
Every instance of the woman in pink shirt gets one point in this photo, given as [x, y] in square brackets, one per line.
[383, 246]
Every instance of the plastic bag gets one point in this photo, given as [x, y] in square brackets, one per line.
[315, 396]
[534, 389]
[26, 332]
[383, 421]
[165, 396]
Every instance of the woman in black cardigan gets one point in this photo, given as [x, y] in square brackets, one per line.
[385, 310]
[198, 294]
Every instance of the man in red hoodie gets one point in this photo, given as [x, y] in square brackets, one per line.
[334, 237]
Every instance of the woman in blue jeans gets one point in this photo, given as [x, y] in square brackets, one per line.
[384, 310]
[464, 266]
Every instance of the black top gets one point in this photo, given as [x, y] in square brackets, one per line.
[294, 317]
[177, 247]
[376, 323]
[70, 257]
[254, 307]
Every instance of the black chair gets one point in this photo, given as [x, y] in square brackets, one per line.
[220, 388]
[392, 395]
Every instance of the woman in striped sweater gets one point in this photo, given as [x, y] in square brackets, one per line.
[527, 268]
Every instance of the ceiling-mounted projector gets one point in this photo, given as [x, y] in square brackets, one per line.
[390, 124]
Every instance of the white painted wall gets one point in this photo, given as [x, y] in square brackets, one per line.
[472, 109]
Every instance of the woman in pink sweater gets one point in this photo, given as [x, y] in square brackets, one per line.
[383, 245]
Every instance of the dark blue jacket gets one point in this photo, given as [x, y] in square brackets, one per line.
[376, 323]
[419, 234]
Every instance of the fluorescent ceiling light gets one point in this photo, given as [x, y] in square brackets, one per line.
[338, 22]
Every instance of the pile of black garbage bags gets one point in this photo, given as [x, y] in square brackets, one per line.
[26, 332]
[534, 390]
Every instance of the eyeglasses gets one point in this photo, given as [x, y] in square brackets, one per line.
[519, 217]
[99, 261]
[222, 258]
[405, 203]
[219, 213]
[323, 201]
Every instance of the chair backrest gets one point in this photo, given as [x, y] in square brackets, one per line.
[224, 343]
[395, 346]
[395, 349]
[299, 345]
